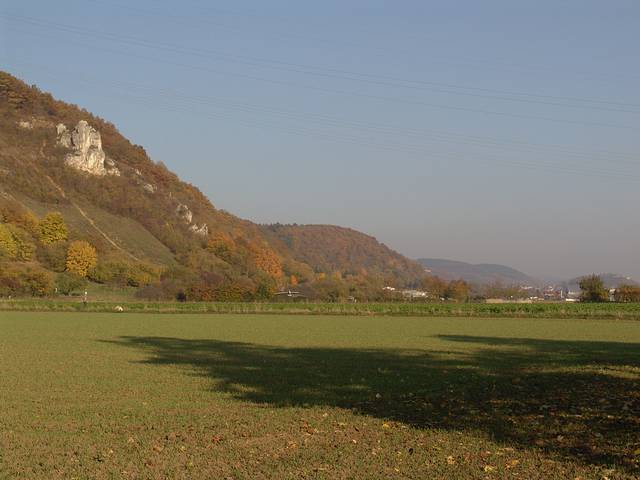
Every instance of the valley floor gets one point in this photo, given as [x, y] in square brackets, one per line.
[99, 395]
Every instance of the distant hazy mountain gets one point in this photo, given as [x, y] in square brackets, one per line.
[610, 280]
[482, 273]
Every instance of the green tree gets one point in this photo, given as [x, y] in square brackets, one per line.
[52, 228]
[593, 290]
[67, 283]
[81, 257]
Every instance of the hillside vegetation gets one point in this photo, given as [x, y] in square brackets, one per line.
[150, 229]
[328, 248]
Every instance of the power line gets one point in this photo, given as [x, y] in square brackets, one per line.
[467, 62]
[413, 102]
[333, 73]
[190, 108]
[376, 128]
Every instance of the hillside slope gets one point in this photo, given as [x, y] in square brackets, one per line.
[481, 274]
[55, 156]
[328, 248]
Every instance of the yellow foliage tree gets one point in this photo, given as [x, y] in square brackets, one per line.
[8, 245]
[52, 228]
[81, 257]
[15, 243]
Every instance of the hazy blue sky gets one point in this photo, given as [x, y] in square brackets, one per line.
[495, 131]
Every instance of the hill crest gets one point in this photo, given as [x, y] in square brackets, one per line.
[480, 274]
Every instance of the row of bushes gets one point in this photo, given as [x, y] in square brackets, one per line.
[617, 311]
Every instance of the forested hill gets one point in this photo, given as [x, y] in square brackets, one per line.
[330, 248]
[147, 227]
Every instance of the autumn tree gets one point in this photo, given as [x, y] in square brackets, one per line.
[15, 243]
[593, 289]
[25, 246]
[52, 228]
[434, 285]
[81, 257]
[627, 293]
[25, 280]
[267, 261]
[8, 245]
[457, 290]
[222, 245]
[13, 212]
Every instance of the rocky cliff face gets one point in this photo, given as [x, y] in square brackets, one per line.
[184, 213]
[86, 149]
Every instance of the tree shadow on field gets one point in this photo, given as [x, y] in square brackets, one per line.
[569, 398]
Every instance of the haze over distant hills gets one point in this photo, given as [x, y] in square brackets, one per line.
[481, 273]
[487, 273]
[610, 280]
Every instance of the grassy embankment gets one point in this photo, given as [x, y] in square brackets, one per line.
[629, 311]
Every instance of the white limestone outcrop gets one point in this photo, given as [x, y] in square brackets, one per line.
[186, 215]
[86, 149]
[202, 230]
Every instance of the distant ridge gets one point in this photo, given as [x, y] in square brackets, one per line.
[482, 273]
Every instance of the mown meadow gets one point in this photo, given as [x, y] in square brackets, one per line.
[197, 396]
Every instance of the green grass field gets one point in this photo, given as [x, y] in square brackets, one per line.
[105, 299]
[146, 396]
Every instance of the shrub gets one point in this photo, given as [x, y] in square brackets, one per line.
[141, 274]
[8, 245]
[15, 243]
[25, 280]
[167, 289]
[25, 247]
[67, 283]
[54, 256]
[110, 271]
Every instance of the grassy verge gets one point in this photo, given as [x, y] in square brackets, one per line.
[629, 311]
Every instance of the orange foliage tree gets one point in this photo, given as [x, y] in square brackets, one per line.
[267, 261]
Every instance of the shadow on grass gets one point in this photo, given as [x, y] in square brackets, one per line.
[569, 398]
